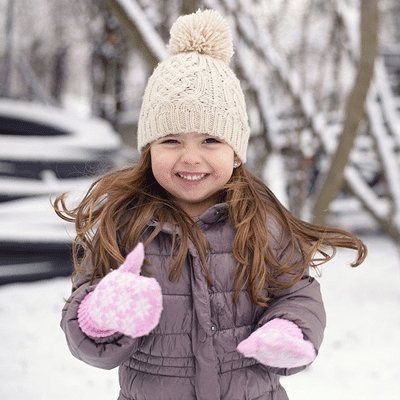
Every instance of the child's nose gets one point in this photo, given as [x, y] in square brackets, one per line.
[191, 156]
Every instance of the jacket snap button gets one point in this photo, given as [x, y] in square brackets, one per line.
[213, 328]
[202, 335]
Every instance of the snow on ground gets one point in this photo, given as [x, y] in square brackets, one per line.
[35, 362]
[359, 359]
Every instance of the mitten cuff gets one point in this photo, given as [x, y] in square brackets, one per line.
[87, 324]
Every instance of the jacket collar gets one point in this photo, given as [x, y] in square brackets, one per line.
[217, 213]
[214, 214]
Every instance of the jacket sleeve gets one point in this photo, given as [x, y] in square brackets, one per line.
[301, 303]
[106, 353]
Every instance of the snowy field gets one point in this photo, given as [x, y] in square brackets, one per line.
[359, 359]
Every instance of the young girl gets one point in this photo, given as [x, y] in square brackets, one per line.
[224, 303]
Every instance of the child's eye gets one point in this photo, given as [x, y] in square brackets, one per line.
[212, 140]
[169, 141]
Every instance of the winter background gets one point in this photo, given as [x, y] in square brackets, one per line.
[359, 358]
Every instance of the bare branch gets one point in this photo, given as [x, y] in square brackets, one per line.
[354, 111]
[134, 21]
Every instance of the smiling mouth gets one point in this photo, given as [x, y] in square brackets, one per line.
[191, 177]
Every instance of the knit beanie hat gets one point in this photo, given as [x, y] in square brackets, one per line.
[194, 90]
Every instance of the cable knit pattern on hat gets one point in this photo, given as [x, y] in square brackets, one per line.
[195, 90]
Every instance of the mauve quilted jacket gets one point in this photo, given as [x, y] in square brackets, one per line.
[191, 354]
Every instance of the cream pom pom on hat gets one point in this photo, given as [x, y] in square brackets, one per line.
[195, 90]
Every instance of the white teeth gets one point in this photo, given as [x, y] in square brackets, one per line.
[192, 177]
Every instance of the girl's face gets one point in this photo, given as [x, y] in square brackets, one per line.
[193, 168]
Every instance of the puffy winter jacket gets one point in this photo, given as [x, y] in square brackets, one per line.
[192, 353]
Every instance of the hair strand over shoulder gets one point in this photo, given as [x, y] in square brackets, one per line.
[272, 247]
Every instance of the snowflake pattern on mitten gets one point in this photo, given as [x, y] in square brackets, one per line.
[123, 301]
[279, 343]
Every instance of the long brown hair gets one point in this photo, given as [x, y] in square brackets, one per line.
[104, 231]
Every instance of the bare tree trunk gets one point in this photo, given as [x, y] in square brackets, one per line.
[354, 110]
[59, 73]
[145, 39]
[189, 6]
[8, 56]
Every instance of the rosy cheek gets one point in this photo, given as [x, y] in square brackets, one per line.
[163, 180]
[160, 172]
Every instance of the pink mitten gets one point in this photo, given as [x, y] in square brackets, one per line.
[123, 301]
[279, 343]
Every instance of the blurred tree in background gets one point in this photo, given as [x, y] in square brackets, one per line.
[321, 78]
